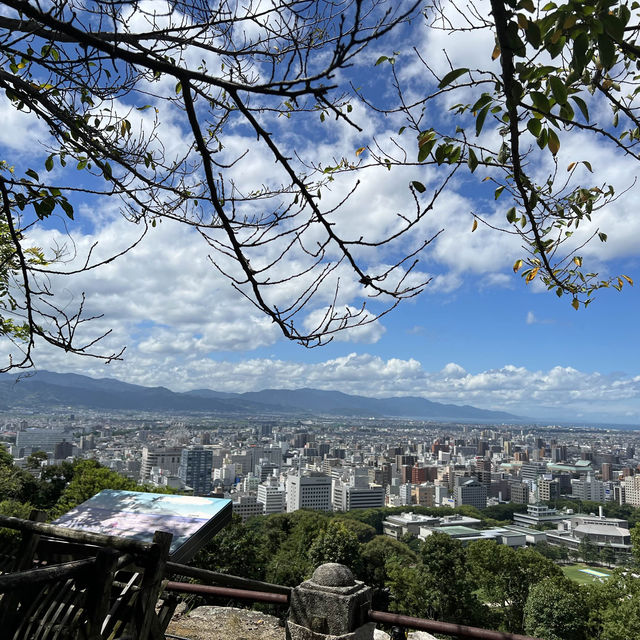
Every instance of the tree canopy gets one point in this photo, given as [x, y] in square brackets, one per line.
[150, 103]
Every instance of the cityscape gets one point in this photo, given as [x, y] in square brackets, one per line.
[268, 465]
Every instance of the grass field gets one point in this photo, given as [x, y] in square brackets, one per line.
[574, 573]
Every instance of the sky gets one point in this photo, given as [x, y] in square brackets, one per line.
[476, 335]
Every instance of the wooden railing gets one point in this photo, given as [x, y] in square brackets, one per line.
[61, 583]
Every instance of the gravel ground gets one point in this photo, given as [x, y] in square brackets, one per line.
[226, 623]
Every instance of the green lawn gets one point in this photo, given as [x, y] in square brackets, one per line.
[573, 572]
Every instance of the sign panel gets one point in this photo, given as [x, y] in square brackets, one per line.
[192, 520]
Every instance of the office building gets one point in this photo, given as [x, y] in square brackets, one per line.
[196, 466]
[309, 491]
[164, 458]
[271, 496]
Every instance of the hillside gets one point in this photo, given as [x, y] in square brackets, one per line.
[45, 389]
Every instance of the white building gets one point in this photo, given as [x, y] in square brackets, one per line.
[167, 459]
[247, 506]
[587, 488]
[272, 496]
[309, 491]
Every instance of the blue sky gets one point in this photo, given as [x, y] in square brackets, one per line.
[477, 334]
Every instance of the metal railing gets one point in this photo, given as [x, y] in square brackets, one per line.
[397, 620]
[446, 628]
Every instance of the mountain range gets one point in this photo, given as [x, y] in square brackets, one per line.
[45, 389]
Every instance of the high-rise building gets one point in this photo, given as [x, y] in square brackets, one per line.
[167, 459]
[196, 466]
[309, 491]
[247, 506]
[587, 488]
[471, 492]
[272, 496]
[548, 489]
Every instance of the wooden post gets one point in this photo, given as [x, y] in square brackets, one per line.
[25, 553]
[146, 621]
[98, 599]
[27, 548]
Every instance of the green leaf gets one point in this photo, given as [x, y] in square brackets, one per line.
[558, 89]
[451, 76]
[179, 87]
[533, 34]
[380, 60]
[48, 163]
[534, 125]
[553, 142]
[582, 105]
[68, 209]
[540, 101]
[580, 47]
[512, 216]
[481, 118]
[607, 51]
[418, 186]
[542, 138]
[32, 174]
[82, 164]
[426, 142]
[472, 160]
[498, 193]
[106, 171]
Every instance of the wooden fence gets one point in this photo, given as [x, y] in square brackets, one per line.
[58, 583]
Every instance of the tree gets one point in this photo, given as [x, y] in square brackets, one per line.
[105, 80]
[506, 575]
[608, 555]
[439, 587]
[377, 554]
[588, 550]
[613, 605]
[337, 543]
[560, 69]
[556, 610]
[35, 460]
[89, 478]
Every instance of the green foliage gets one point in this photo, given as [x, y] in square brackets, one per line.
[90, 478]
[635, 542]
[505, 576]
[556, 610]
[378, 554]
[6, 459]
[556, 68]
[35, 460]
[438, 587]
[337, 543]
[236, 550]
[613, 605]
[588, 550]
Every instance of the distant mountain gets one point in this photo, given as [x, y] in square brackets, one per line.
[45, 389]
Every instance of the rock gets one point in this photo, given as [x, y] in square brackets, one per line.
[420, 635]
[226, 623]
